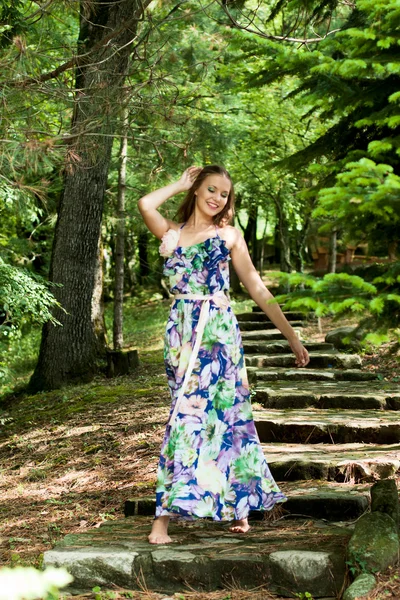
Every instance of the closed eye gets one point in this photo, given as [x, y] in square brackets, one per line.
[212, 189]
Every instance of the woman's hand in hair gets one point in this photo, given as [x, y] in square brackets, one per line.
[188, 177]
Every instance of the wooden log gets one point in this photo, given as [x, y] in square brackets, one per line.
[121, 362]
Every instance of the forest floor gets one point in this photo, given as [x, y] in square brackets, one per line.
[70, 458]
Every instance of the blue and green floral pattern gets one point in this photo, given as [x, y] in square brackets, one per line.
[211, 462]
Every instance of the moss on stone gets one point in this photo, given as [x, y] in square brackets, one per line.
[374, 545]
[360, 587]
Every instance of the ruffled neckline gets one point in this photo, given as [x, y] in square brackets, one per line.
[206, 241]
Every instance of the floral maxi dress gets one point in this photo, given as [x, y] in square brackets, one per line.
[211, 462]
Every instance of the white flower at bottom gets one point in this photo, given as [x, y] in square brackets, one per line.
[205, 508]
[209, 477]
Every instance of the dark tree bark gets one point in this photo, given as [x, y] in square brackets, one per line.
[71, 352]
[234, 280]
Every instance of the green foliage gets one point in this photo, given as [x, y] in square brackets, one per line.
[12, 21]
[357, 563]
[341, 294]
[304, 596]
[27, 583]
[365, 194]
[24, 297]
[350, 82]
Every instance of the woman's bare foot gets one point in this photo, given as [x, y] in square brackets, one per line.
[159, 531]
[241, 526]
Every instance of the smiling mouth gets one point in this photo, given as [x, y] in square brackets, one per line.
[212, 205]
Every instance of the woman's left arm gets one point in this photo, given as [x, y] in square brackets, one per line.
[250, 278]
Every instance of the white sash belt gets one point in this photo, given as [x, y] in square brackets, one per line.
[221, 300]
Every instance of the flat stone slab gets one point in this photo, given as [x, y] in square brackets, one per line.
[247, 325]
[304, 568]
[315, 499]
[317, 360]
[284, 374]
[291, 315]
[282, 346]
[265, 334]
[206, 556]
[328, 394]
[332, 462]
[260, 316]
[328, 426]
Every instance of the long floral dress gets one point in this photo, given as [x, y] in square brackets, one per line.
[211, 462]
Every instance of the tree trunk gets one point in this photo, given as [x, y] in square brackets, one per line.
[118, 337]
[301, 239]
[144, 267]
[234, 280]
[130, 275]
[392, 251]
[98, 302]
[283, 232]
[263, 246]
[250, 233]
[70, 352]
[333, 251]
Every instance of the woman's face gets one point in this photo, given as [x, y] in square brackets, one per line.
[212, 195]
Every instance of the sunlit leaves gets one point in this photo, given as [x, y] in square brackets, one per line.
[24, 297]
[341, 294]
[364, 195]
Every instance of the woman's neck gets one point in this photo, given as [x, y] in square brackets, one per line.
[199, 222]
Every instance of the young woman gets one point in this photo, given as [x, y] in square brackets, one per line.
[211, 462]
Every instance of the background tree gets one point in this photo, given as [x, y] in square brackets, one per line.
[107, 32]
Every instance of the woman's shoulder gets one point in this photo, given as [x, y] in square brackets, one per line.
[230, 234]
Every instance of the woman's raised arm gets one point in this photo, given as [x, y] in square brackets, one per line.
[149, 204]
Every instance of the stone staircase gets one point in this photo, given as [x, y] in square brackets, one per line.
[331, 421]
[327, 431]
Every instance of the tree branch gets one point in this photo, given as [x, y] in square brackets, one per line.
[267, 36]
[77, 60]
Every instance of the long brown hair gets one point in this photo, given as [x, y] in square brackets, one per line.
[188, 205]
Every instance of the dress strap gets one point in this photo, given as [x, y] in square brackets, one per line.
[183, 225]
[216, 231]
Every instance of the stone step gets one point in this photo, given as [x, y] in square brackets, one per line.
[262, 317]
[264, 325]
[331, 501]
[283, 374]
[332, 462]
[317, 360]
[295, 557]
[329, 426]
[282, 347]
[264, 334]
[322, 394]
[289, 314]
